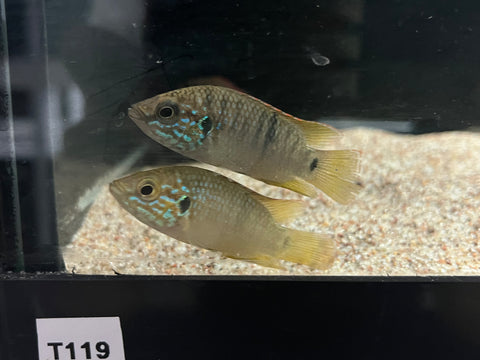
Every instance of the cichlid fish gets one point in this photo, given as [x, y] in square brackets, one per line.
[230, 129]
[208, 210]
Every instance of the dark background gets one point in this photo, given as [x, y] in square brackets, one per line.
[389, 60]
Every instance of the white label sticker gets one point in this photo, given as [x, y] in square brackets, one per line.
[80, 338]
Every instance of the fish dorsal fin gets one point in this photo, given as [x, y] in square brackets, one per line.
[316, 134]
[282, 210]
[298, 185]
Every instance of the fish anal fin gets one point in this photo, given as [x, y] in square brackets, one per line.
[281, 210]
[307, 248]
[262, 260]
[335, 172]
[298, 185]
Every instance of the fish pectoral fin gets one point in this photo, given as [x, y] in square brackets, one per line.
[316, 134]
[307, 248]
[298, 185]
[262, 260]
[281, 210]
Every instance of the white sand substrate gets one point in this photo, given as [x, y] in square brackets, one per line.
[417, 214]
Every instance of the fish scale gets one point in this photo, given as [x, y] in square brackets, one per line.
[230, 129]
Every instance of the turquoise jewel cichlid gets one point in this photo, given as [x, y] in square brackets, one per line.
[230, 129]
[208, 210]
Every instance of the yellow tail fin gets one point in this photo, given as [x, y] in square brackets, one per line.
[336, 173]
[311, 249]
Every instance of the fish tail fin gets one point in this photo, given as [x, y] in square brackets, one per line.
[335, 172]
[307, 248]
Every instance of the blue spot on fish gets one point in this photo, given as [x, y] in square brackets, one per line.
[178, 133]
[134, 198]
[194, 112]
[166, 198]
[162, 134]
[168, 214]
[184, 188]
[185, 120]
[147, 213]
[187, 138]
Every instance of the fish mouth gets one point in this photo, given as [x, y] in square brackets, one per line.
[135, 114]
[117, 189]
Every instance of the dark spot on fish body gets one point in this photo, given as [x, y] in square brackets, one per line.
[271, 131]
[314, 164]
[205, 124]
[262, 119]
[223, 106]
[237, 113]
[208, 99]
[184, 204]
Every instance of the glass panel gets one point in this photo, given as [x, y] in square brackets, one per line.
[400, 80]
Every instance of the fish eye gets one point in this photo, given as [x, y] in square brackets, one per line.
[166, 110]
[146, 188]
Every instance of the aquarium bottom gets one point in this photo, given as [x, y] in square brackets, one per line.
[417, 214]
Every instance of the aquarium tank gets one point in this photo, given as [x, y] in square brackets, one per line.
[398, 80]
[212, 179]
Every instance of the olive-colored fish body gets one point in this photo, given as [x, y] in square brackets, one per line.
[227, 128]
[208, 210]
